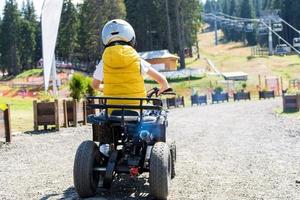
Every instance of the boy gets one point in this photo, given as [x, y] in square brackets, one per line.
[120, 72]
[121, 69]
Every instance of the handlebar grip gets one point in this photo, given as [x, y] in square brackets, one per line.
[168, 90]
[170, 93]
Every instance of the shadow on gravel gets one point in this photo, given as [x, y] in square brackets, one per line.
[122, 188]
[48, 196]
[41, 132]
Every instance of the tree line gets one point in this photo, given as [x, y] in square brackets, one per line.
[159, 24]
[288, 10]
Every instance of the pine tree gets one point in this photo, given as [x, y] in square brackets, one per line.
[114, 9]
[9, 38]
[226, 10]
[2, 69]
[258, 7]
[67, 36]
[27, 44]
[247, 11]
[28, 11]
[169, 30]
[233, 11]
[93, 14]
[38, 54]
[159, 23]
[27, 40]
[208, 7]
[89, 32]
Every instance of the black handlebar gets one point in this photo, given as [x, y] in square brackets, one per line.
[155, 90]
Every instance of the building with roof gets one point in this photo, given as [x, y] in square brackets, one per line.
[161, 60]
[235, 76]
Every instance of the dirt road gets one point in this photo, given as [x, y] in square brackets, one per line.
[230, 151]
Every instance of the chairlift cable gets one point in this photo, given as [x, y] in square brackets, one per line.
[226, 19]
[290, 26]
[239, 18]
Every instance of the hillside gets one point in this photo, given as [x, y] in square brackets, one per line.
[236, 57]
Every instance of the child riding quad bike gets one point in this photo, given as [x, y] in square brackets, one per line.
[131, 128]
[137, 139]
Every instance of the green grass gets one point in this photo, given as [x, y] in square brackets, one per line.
[31, 72]
[21, 113]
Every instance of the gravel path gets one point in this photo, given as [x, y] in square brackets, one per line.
[231, 151]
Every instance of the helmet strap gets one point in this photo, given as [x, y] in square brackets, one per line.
[115, 43]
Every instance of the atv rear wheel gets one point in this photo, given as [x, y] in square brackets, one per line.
[160, 170]
[86, 179]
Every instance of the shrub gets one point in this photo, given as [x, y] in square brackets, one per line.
[45, 97]
[244, 85]
[218, 89]
[240, 86]
[90, 91]
[293, 91]
[78, 86]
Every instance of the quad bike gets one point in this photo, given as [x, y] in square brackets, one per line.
[136, 134]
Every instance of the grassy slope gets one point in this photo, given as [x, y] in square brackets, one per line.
[29, 73]
[234, 57]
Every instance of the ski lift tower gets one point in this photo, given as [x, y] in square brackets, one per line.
[268, 17]
[272, 16]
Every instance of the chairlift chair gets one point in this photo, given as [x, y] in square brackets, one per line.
[231, 25]
[249, 28]
[296, 42]
[262, 30]
[277, 27]
[240, 26]
[282, 49]
[227, 22]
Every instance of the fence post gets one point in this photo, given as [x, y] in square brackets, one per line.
[84, 113]
[65, 110]
[7, 123]
[278, 87]
[35, 119]
[75, 120]
[56, 114]
[298, 101]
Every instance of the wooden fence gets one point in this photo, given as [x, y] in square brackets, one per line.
[49, 113]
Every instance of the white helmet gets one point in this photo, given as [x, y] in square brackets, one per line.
[118, 30]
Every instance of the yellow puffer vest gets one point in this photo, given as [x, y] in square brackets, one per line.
[122, 74]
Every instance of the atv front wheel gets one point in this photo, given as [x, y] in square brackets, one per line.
[173, 154]
[85, 177]
[160, 170]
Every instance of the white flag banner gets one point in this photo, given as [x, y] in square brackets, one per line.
[50, 22]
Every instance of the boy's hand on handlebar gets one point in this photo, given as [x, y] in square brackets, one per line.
[163, 89]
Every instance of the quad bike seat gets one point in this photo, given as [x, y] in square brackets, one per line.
[116, 116]
[129, 115]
